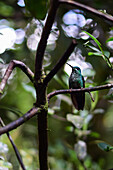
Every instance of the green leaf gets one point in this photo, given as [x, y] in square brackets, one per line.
[37, 8]
[107, 54]
[94, 134]
[105, 147]
[97, 42]
[93, 48]
[6, 10]
[30, 89]
[109, 39]
[104, 54]
[95, 95]
[88, 72]
[69, 128]
[77, 121]
[96, 54]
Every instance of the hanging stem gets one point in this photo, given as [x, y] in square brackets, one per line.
[14, 147]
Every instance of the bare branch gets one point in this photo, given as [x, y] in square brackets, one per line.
[13, 125]
[12, 65]
[43, 41]
[61, 62]
[57, 92]
[91, 96]
[88, 9]
[14, 146]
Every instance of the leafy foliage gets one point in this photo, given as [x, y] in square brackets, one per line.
[99, 52]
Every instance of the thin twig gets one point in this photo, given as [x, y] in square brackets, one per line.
[13, 125]
[91, 96]
[88, 9]
[57, 92]
[12, 65]
[43, 41]
[61, 62]
[14, 146]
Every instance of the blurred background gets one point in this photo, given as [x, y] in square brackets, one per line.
[74, 136]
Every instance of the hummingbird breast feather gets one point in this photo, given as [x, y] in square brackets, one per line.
[78, 98]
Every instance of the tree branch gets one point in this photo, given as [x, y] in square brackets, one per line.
[13, 125]
[12, 65]
[43, 139]
[43, 41]
[88, 9]
[14, 146]
[57, 92]
[61, 62]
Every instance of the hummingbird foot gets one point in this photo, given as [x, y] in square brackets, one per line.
[70, 89]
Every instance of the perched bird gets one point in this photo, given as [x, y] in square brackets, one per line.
[76, 81]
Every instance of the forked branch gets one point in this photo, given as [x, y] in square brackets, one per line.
[12, 65]
[61, 62]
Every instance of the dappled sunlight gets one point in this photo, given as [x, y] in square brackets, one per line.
[34, 38]
[74, 22]
[73, 18]
[21, 3]
[9, 37]
[76, 59]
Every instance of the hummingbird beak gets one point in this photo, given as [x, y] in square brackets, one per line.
[69, 65]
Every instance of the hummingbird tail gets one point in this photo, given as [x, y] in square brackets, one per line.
[78, 100]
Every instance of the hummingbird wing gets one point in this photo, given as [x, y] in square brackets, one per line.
[78, 99]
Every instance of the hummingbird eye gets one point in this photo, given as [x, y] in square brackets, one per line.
[77, 68]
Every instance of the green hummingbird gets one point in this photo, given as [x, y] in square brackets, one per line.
[76, 81]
